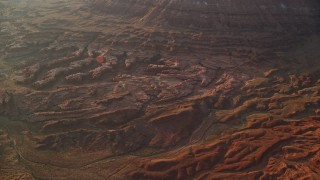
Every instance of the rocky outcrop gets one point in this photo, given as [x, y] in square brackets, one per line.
[274, 148]
[275, 141]
[163, 89]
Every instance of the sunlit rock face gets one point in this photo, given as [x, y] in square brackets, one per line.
[263, 15]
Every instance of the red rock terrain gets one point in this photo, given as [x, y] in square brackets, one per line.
[162, 89]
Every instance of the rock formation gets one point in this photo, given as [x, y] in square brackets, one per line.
[189, 89]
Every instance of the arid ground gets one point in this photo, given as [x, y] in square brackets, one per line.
[160, 89]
